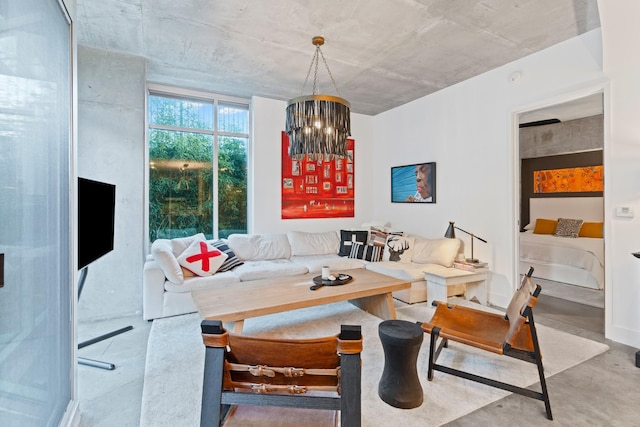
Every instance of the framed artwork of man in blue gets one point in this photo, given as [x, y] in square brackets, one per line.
[414, 183]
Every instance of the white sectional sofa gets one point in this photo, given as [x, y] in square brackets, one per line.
[167, 285]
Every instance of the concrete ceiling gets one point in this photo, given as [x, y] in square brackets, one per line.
[382, 53]
[579, 108]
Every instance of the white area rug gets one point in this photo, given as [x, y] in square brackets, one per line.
[175, 357]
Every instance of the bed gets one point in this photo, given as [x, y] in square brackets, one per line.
[576, 261]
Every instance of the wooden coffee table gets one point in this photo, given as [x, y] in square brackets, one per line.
[235, 302]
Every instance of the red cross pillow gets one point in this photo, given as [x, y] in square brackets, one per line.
[201, 258]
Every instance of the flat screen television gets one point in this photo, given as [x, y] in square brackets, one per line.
[96, 220]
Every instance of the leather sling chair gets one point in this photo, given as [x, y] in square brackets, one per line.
[317, 373]
[513, 335]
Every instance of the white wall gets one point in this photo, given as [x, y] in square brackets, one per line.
[111, 147]
[621, 64]
[468, 130]
[268, 123]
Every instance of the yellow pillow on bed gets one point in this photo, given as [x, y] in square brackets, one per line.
[545, 226]
[591, 229]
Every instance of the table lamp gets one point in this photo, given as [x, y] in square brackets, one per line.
[451, 234]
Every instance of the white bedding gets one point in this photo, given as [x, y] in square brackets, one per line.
[585, 255]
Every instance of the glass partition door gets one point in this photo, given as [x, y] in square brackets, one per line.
[36, 370]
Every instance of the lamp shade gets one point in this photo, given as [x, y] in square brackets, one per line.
[451, 231]
[451, 234]
[318, 125]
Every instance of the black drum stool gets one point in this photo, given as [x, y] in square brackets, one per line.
[400, 385]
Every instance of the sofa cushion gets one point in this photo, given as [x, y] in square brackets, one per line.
[206, 282]
[410, 272]
[336, 263]
[365, 252]
[232, 260]
[348, 237]
[166, 253]
[202, 258]
[313, 243]
[262, 269]
[398, 249]
[180, 244]
[436, 251]
[255, 247]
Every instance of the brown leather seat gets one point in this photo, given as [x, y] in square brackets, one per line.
[513, 334]
[322, 373]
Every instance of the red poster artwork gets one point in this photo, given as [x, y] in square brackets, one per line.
[317, 189]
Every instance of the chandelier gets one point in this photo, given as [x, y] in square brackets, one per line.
[318, 125]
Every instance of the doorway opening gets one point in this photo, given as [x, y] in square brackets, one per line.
[560, 176]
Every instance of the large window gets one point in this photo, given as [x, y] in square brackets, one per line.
[197, 164]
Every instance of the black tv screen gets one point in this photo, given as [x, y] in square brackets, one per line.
[96, 220]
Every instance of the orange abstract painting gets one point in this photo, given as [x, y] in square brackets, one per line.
[584, 179]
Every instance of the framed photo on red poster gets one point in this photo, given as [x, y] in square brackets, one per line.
[317, 189]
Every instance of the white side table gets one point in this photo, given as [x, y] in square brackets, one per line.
[476, 284]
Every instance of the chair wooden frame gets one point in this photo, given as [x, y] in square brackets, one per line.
[513, 335]
[245, 370]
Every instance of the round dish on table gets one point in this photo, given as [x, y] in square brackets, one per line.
[341, 279]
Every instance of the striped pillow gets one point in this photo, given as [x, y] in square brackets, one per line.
[378, 237]
[364, 252]
[232, 260]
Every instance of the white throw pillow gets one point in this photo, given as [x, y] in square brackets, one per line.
[165, 253]
[255, 247]
[436, 251]
[398, 249]
[180, 244]
[313, 243]
[202, 258]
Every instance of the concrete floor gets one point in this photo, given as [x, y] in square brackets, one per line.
[603, 391]
[113, 398]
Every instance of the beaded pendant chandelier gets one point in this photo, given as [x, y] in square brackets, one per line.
[318, 125]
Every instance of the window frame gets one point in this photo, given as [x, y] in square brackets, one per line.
[154, 89]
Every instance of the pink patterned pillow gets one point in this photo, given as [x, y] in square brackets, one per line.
[202, 258]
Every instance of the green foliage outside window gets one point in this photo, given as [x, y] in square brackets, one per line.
[181, 185]
[232, 186]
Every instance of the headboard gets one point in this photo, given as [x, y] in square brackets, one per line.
[585, 208]
[561, 161]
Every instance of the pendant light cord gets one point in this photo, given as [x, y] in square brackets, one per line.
[315, 60]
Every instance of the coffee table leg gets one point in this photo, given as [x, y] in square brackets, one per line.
[237, 327]
[378, 305]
